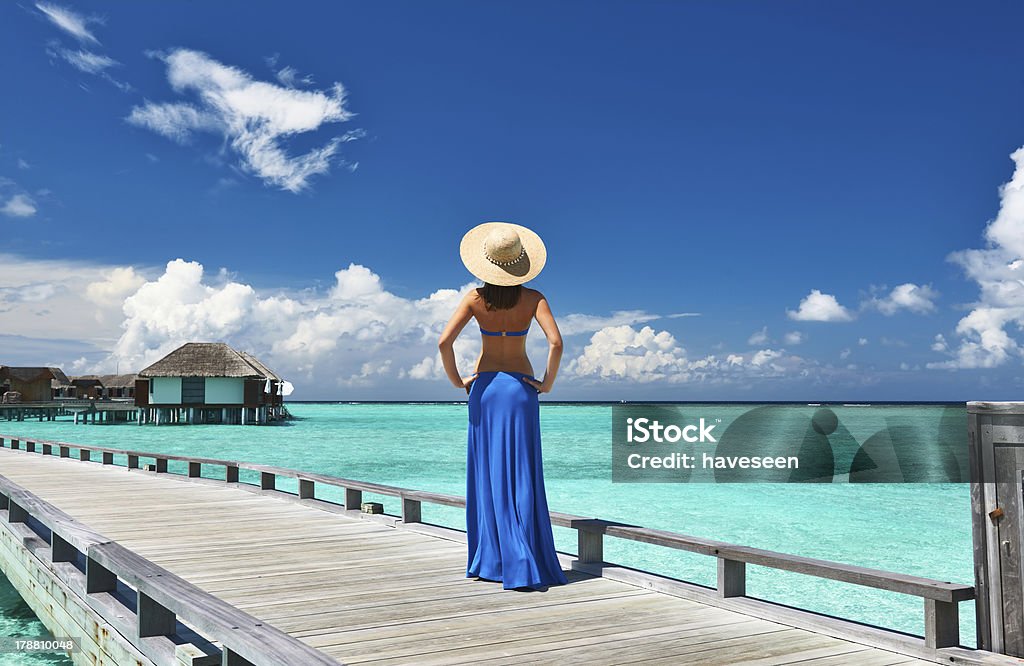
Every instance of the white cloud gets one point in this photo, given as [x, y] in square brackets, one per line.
[758, 337]
[22, 164]
[289, 76]
[817, 306]
[255, 118]
[575, 324]
[86, 61]
[845, 353]
[623, 353]
[862, 341]
[984, 334]
[918, 299]
[69, 21]
[19, 205]
[793, 338]
[49, 299]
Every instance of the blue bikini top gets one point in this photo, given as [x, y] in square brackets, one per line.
[503, 333]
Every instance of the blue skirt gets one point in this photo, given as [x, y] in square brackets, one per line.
[507, 521]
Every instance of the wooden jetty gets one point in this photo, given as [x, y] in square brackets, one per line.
[145, 566]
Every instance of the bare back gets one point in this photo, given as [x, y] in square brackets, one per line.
[505, 352]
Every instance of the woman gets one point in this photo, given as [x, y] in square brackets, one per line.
[507, 522]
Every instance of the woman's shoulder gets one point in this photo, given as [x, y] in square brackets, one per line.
[532, 294]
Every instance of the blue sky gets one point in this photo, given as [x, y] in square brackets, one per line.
[726, 159]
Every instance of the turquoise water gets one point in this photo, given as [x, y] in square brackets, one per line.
[922, 529]
[17, 619]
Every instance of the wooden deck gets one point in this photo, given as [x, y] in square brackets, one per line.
[364, 589]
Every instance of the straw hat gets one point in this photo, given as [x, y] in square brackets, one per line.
[503, 253]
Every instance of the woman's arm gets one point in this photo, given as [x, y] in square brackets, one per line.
[550, 328]
[446, 344]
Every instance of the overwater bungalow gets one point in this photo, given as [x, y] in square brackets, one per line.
[208, 382]
[33, 384]
[119, 386]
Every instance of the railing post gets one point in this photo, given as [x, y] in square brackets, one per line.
[65, 451]
[98, 578]
[108, 458]
[30, 446]
[590, 545]
[161, 465]
[267, 480]
[84, 454]
[306, 489]
[195, 469]
[47, 449]
[61, 550]
[15, 512]
[353, 499]
[153, 618]
[411, 510]
[231, 473]
[941, 624]
[15, 443]
[133, 461]
[232, 658]
[732, 578]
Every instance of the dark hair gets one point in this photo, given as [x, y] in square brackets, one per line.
[500, 298]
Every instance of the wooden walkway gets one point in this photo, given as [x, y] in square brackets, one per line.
[366, 590]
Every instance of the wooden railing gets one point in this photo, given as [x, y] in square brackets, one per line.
[941, 598]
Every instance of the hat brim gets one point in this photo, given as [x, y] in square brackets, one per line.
[534, 257]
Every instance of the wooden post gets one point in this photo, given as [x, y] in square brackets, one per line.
[267, 480]
[154, 619]
[30, 446]
[98, 578]
[47, 449]
[195, 469]
[995, 434]
[15, 443]
[84, 454]
[353, 499]
[108, 458]
[941, 624]
[589, 544]
[306, 489]
[15, 513]
[61, 550]
[65, 451]
[411, 510]
[161, 465]
[732, 578]
[133, 461]
[232, 658]
[231, 473]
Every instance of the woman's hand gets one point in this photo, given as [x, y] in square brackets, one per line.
[542, 387]
[467, 382]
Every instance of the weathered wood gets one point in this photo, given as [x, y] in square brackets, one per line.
[154, 619]
[268, 480]
[941, 624]
[411, 510]
[85, 454]
[306, 489]
[732, 578]
[195, 469]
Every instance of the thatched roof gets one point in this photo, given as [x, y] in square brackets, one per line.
[204, 359]
[27, 374]
[119, 381]
[259, 365]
